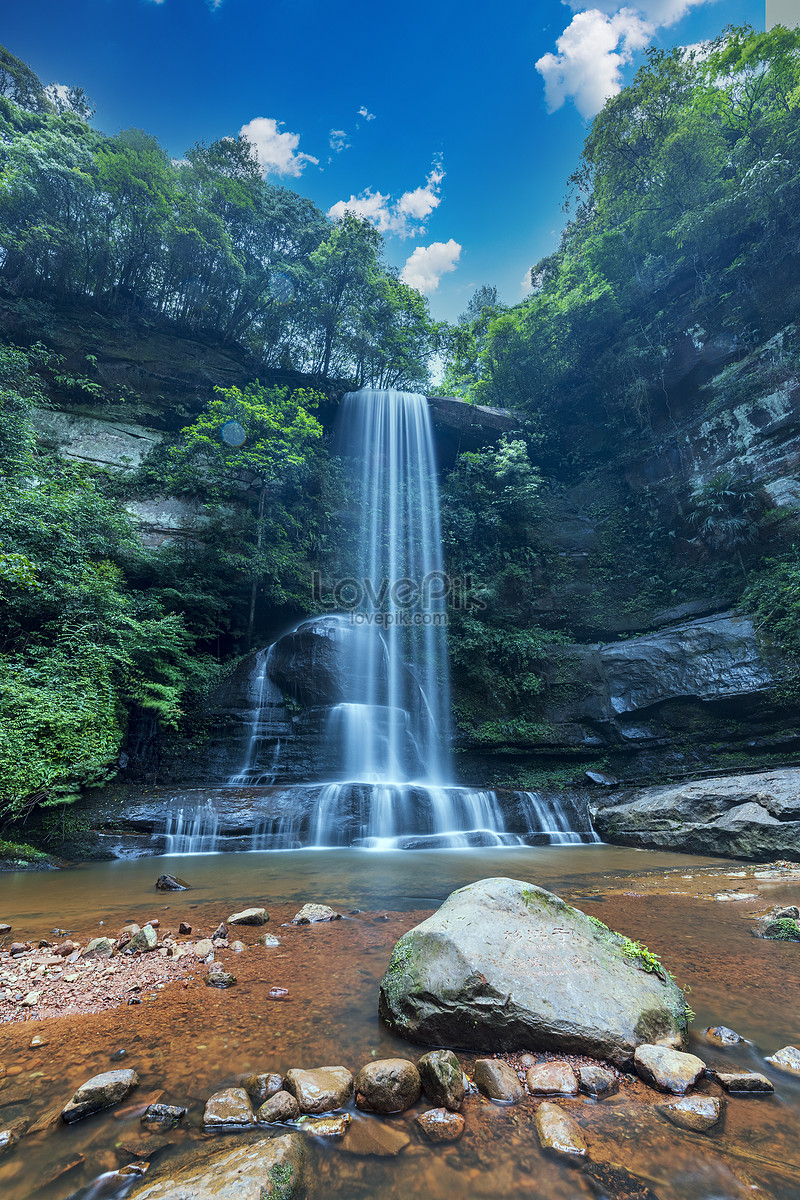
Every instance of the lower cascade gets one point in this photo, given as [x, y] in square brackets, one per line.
[371, 681]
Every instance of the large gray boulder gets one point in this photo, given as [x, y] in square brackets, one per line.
[271, 1169]
[505, 965]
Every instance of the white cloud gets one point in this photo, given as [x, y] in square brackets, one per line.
[277, 152]
[427, 264]
[598, 43]
[404, 217]
[366, 114]
[338, 140]
[525, 285]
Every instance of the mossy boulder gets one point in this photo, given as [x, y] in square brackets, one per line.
[504, 965]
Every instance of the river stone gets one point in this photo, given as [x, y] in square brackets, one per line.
[162, 1116]
[203, 948]
[320, 1090]
[616, 1183]
[249, 916]
[506, 965]
[261, 1087]
[743, 1081]
[101, 1091]
[552, 1079]
[8, 1140]
[270, 1169]
[217, 978]
[268, 939]
[310, 914]
[389, 1085]
[597, 1081]
[146, 939]
[784, 930]
[441, 1125]
[101, 947]
[788, 1059]
[557, 1131]
[170, 883]
[379, 1138]
[668, 1070]
[497, 1080]
[328, 1127]
[281, 1106]
[721, 1035]
[697, 1113]
[229, 1107]
[442, 1079]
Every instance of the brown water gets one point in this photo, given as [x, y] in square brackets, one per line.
[188, 1042]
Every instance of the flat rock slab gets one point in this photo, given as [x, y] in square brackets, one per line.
[552, 1079]
[557, 1132]
[743, 1082]
[389, 1085]
[378, 1138]
[99, 1092]
[278, 1108]
[497, 1080]
[505, 965]
[788, 1059]
[230, 1107]
[249, 916]
[311, 914]
[262, 1170]
[320, 1090]
[697, 1113]
[668, 1070]
[442, 1079]
[441, 1125]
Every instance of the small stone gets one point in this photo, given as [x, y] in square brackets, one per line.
[229, 1107]
[329, 1127]
[721, 1035]
[311, 914]
[101, 947]
[379, 1138]
[668, 1070]
[557, 1131]
[170, 883]
[218, 978]
[597, 1081]
[238, 947]
[203, 948]
[778, 931]
[220, 933]
[278, 993]
[162, 1116]
[609, 1181]
[552, 1079]
[389, 1085]
[743, 1081]
[249, 916]
[442, 1079]
[279, 1107]
[788, 1059]
[4, 928]
[497, 1080]
[8, 1139]
[31, 1000]
[99, 1092]
[260, 1087]
[17, 948]
[184, 928]
[320, 1090]
[697, 1113]
[65, 949]
[790, 913]
[118, 1055]
[441, 1125]
[156, 924]
[526, 1061]
[268, 939]
[143, 941]
[36, 1042]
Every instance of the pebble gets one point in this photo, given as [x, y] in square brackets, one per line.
[441, 1125]
[218, 978]
[788, 1059]
[721, 1035]
[278, 993]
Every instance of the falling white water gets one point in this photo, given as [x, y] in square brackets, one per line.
[266, 699]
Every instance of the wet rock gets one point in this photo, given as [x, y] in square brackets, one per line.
[447, 982]
[238, 947]
[125, 934]
[327, 1127]
[65, 949]
[101, 947]
[143, 941]
[389, 1085]
[697, 1113]
[203, 948]
[220, 934]
[310, 914]
[8, 1140]
[601, 778]
[17, 948]
[441, 1125]
[268, 939]
[278, 993]
[4, 928]
[597, 1081]
[379, 1138]
[170, 883]
[743, 1081]
[552, 1079]
[779, 930]
[261, 1087]
[38, 1041]
[99, 1092]
[721, 1035]
[217, 978]
[320, 1090]
[118, 1055]
[249, 916]
[497, 1080]
[162, 1116]
[442, 1079]
[270, 1169]
[615, 1183]
[790, 913]
[557, 1131]
[788, 1059]
[668, 1070]
[279, 1107]
[184, 928]
[229, 1107]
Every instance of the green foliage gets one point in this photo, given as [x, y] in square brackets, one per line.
[773, 600]
[281, 1185]
[723, 511]
[20, 852]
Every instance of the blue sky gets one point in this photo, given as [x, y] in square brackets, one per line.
[430, 116]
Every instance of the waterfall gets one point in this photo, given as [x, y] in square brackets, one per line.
[266, 699]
